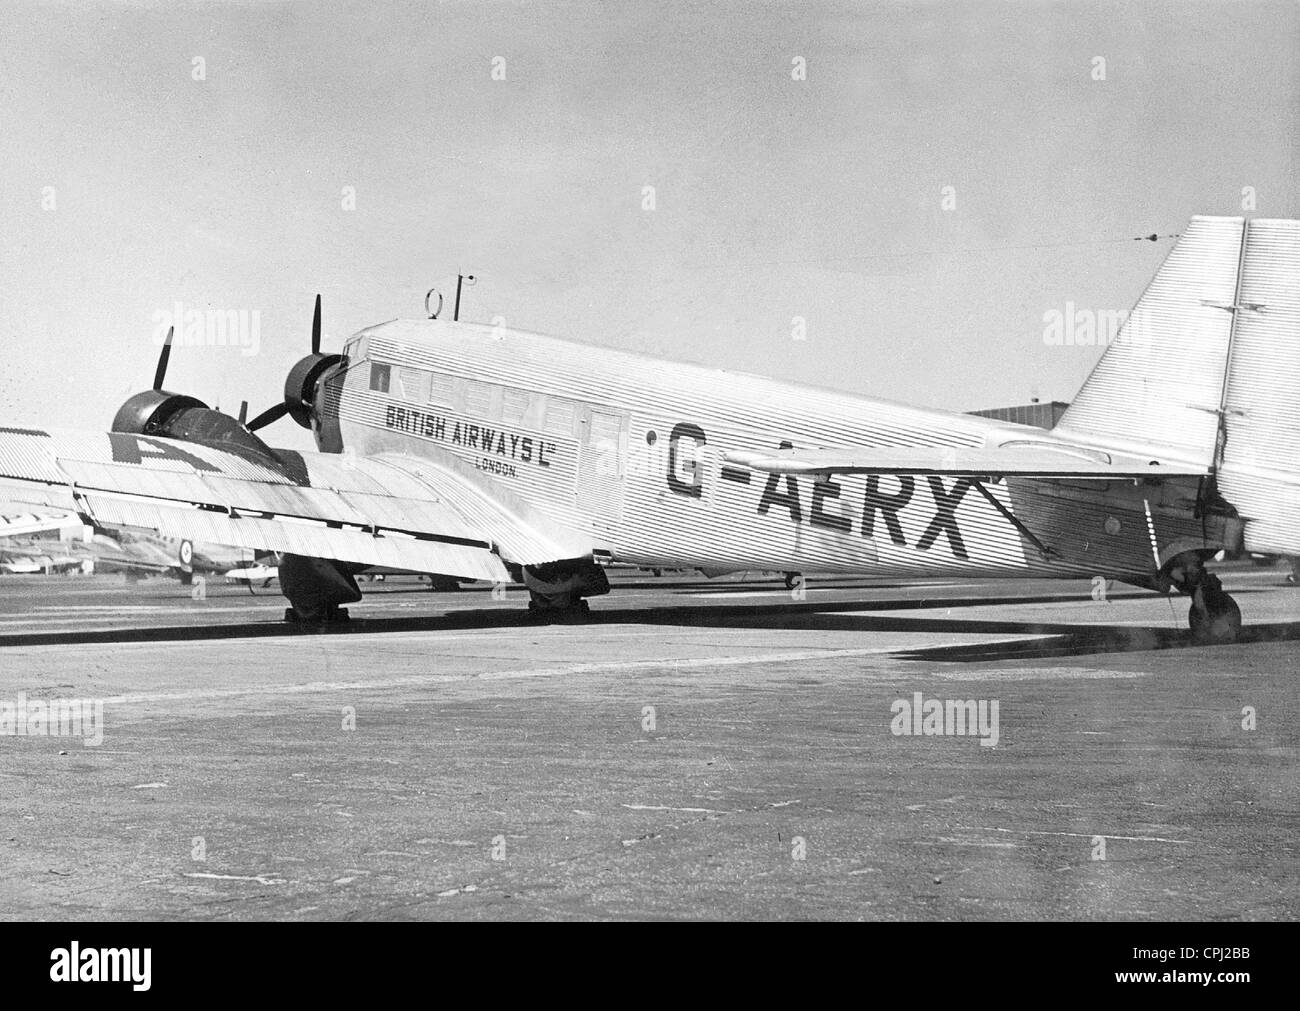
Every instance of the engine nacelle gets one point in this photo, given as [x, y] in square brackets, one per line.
[300, 386]
[172, 416]
[149, 412]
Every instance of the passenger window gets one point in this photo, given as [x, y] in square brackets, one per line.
[559, 417]
[514, 407]
[478, 400]
[414, 384]
[440, 391]
[379, 377]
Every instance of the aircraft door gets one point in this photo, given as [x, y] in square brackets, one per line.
[602, 465]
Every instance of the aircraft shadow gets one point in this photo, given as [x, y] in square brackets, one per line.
[1041, 639]
[685, 586]
[1036, 640]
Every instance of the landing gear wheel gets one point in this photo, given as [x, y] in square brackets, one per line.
[1215, 618]
[576, 610]
[577, 614]
[333, 615]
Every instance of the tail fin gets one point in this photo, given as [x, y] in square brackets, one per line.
[1259, 471]
[1207, 367]
[1160, 383]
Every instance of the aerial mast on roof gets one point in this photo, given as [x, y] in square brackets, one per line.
[461, 279]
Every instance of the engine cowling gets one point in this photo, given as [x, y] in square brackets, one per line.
[148, 413]
[300, 385]
[174, 416]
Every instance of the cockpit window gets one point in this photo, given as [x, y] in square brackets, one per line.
[380, 376]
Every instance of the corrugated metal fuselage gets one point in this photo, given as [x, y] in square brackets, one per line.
[629, 449]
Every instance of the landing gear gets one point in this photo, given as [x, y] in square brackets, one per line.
[327, 616]
[556, 589]
[1214, 616]
[316, 587]
[560, 607]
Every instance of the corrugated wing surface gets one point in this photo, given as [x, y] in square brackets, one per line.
[403, 512]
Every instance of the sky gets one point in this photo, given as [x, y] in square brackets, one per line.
[888, 199]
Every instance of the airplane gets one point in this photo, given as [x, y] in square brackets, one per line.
[13, 564]
[250, 574]
[136, 553]
[27, 524]
[140, 553]
[23, 550]
[489, 453]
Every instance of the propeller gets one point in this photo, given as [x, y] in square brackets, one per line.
[300, 386]
[150, 411]
[315, 328]
[163, 358]
[269, 415]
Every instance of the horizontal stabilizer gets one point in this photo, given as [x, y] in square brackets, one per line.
[1021, 458]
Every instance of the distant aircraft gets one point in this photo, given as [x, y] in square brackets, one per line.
[97, 549]
[487, 453]
[26, 524]
[250, 574]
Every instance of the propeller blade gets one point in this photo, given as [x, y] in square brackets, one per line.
[243, 412]
[269, 415]
[161, 372]
[315, 328]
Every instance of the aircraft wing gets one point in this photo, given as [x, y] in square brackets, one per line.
[1031, 458]
[402, 511]
[22, 524]
[106, 562]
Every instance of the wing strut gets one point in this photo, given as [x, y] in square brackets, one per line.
[1047, 553]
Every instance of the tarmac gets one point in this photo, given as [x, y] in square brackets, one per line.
[698, 749]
